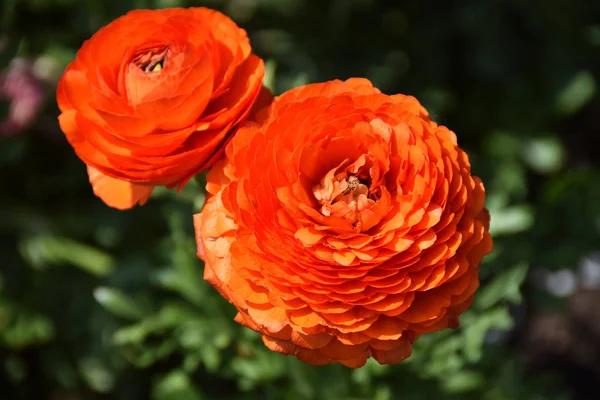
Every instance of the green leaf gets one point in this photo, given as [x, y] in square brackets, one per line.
[474, 333]
[57, 57]
[502, 145]
[137, 333]
[544, 155]
[576, 94]
[265, 365]
[445, 357]
[511, 220]
[211, 358]
[191, 194]
[463, 381]
[188, 287]
[158, 4]
[191, 362]
[174, 314]
[504, 287]
[150, 355]
[46, 249]
[175, 386]
[97, 376]
[22, 328]
[118, 303]
[510, 179]
[302, 377]
[383, 393]
[270, 71]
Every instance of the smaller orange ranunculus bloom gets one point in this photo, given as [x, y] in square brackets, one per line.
[152, 98]
[343, 223]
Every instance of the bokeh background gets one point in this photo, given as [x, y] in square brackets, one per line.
[101, 304]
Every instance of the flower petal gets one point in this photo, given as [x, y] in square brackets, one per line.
[118, 194]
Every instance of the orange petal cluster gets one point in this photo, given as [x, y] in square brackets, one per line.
[152, 98]
[343, 223]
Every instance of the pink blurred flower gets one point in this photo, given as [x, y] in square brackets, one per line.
[24, 93]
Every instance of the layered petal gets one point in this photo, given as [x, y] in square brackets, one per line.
[118, 194]
[343, 224]
[153, 97]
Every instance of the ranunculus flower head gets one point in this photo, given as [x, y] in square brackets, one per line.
[343, 223]
[152, 98]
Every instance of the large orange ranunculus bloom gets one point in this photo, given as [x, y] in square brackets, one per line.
[344, 223]
[153, 97]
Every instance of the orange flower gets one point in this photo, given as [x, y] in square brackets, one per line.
[153, 97]
[343, 223]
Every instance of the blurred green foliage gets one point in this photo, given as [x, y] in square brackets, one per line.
[98, 304]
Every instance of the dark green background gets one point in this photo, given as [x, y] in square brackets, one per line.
[101, 304]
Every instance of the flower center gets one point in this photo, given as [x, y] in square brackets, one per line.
[343, 195]
[152, 60]
[354, 188]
